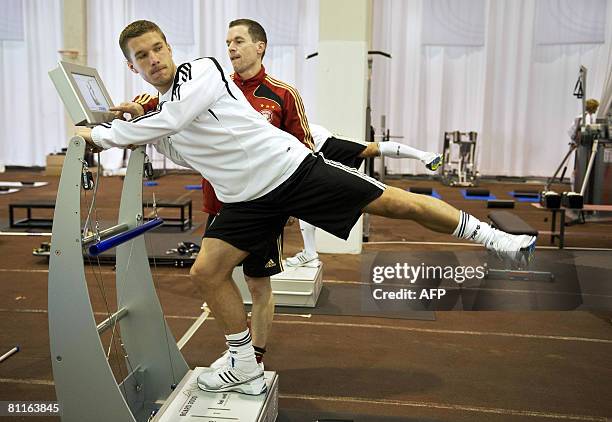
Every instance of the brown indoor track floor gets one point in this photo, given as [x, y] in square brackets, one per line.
[464, 366]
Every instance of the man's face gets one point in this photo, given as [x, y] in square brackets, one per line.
[151, 57]
[244, 53]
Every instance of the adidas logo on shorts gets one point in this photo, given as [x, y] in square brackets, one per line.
[270, 264]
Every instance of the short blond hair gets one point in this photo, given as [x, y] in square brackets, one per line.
[591, 105]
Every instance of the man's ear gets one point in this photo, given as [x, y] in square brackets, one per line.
[131, 67]
[261, 47]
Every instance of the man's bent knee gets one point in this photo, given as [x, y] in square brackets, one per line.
[216, 260]
[260, 288]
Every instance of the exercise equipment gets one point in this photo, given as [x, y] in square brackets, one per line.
[550, 199]
[500, 203]
[425, 191]
[295, 286]
[459, 167]
[156, 370]
[30, 221]
[593, 148]
[526, 194]
[421, 190]
[477, 192]
[158, 386]
[184, 206]
[84, 95]
[593, 166]
[572, 200]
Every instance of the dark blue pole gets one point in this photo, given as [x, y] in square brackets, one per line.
[120, 238]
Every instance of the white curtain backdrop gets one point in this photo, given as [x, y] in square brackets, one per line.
[503, 68]
[199, 28]
[515, 93]
[31, 118]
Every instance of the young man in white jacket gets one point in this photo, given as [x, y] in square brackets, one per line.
[262, 175]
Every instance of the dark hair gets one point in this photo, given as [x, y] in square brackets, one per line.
[256, 31]
[136, 29]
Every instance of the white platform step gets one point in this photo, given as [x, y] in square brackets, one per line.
[296, 286]
[190, 404]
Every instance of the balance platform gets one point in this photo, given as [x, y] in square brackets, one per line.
[188, 403]
[296, 286]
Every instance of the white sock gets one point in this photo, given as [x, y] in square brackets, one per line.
[396, 150]
[241, 349]
[308, 234]
[470, 228]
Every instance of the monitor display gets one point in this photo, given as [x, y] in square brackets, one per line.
[83, 94]
[91, 92]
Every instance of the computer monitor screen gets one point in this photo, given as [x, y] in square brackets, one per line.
[83, 93]
[91, 92]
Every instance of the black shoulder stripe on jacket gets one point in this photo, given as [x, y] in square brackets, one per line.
[183, 74]
[220, 69]
[152, 113]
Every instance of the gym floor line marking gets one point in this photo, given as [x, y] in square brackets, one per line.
[413, 242]
[441, 331]
[444, 406]
[374, 326]
[24, 381]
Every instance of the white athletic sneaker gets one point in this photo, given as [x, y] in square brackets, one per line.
[433, 161]
[302, 259]
[225, 359]
[517, 248]
[230, 378]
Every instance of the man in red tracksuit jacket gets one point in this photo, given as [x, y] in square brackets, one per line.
[282, 106]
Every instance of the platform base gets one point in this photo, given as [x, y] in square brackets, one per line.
[190, 404]
[296, 286]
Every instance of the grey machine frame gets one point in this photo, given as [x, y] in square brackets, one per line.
[84, 382]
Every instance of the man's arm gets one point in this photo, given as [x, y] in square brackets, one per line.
[196, 96]
[139, 106]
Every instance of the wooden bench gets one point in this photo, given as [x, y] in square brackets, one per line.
[184, 221]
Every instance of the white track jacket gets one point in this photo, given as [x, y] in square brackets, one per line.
[204, 122]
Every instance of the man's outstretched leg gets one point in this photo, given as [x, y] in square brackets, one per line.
[441, 217]
[212, 273]
[392, 149]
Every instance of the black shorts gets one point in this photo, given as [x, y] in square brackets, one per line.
[324, 193]
[343, 151]
[260, 265]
